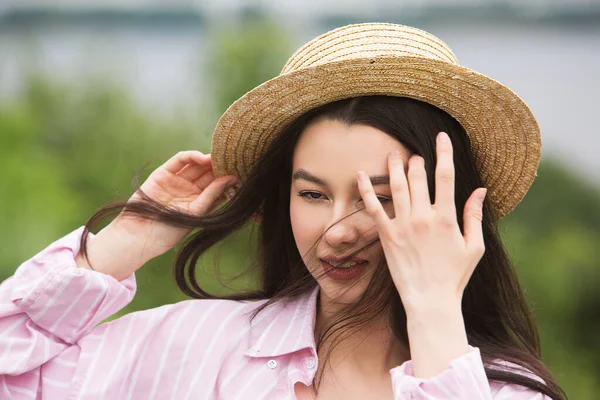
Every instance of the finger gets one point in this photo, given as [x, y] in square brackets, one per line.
[209, 198]
[183, 158]
[472, 220]
[372, 203]
[444, 177]
[204, 180]
[399, 185]
[420, 201]
[193, 172]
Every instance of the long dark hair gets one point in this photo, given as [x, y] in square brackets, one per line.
[497, 317]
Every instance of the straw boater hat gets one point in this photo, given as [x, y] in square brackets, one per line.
[394, 60]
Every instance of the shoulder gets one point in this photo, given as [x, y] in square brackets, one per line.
[210, 314]
[196, 319]
[209, 328]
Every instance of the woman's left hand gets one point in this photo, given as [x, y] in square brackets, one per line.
[429, 259]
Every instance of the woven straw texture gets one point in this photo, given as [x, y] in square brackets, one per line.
[394, 60]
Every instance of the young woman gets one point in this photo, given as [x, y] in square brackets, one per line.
[364, 166]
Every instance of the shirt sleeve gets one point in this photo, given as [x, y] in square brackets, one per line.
[50, 303]
[464, 378]
[53, 347]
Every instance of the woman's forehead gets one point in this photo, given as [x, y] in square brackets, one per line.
[333, 143]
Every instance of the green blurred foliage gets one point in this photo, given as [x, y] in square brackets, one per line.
[65, 151]
[243, 56]
[553, 237]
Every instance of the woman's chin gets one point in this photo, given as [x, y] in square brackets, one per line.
[350, 294]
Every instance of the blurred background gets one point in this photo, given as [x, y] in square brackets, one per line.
[92, 90]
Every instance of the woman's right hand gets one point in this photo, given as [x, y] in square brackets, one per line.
[185, 182]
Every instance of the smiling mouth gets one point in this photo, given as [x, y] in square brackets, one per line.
[344, 271]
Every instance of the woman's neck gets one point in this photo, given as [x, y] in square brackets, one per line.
[371, 350]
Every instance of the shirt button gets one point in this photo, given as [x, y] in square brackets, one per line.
[272, 364]
[309, 362]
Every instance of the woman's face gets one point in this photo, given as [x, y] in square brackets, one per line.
[326, 161]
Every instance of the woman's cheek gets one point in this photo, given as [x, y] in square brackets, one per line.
[306, 225]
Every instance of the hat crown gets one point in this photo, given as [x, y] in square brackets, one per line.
[372, 40]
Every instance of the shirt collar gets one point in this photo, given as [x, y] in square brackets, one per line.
[289, 327]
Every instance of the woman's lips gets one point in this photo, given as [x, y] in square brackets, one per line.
[344, 274]
[337, 260]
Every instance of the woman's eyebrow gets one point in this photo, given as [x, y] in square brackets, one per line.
[377, 180]
[307, 176]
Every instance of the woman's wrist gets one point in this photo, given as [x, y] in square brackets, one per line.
[437, 335]
[114, 252]
[433, 302]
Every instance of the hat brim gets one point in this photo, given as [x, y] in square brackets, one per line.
[503, 133]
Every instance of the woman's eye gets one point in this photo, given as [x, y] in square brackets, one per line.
[311, 196]
[384, 200]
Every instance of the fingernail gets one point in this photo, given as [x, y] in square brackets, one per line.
[362, 176]
[481, 194]
[232, 189]
[443, 136]
[229, 193]
[395, 155]
[418, 159]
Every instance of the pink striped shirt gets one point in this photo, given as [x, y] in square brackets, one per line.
[51, 346]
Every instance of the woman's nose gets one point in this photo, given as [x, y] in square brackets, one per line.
[341, 232]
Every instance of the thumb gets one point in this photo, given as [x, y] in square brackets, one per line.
[472, 218]
[211, 195]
